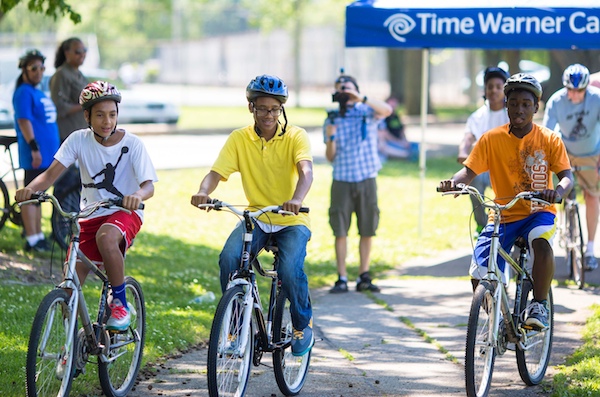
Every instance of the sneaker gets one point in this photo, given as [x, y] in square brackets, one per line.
[339, 286]
[537, 315]
[303, 341]
[364, 283]
[40, 246]
[591, 263]
[119, 316]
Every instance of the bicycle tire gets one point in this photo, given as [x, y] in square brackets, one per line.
[50, 372]
[533, 362]
[479, 353]
[125, 350]
[290, 371]
[5, 204]
[61, 227]
[576, 247]
[228, 368]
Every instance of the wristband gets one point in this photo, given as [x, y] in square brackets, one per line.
[364, 100]
[33, 145]
[331, 138]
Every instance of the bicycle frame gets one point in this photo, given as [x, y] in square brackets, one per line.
[71, 280]
[6, 141]
[246, 277]
[493, 272]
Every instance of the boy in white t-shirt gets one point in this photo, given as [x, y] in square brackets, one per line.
[492, 114]
[113, 163]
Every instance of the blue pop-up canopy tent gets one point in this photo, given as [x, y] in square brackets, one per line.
[509, 24]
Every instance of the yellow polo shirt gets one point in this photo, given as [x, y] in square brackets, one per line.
[268, 169]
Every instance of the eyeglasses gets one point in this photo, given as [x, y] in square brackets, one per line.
[80, 51]
[261, 112]
[34, 68]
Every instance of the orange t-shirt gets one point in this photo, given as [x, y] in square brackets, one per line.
[519, 164]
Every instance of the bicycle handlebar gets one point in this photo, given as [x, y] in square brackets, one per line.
[41, 197]
[467, 189]
[217, 205]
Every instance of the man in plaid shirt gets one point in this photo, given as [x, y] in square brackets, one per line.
[351, 146]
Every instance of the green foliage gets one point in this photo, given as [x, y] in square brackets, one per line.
[51, 8]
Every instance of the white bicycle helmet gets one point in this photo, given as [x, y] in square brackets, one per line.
[576, 77]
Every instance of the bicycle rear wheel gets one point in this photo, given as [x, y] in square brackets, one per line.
[575, 247]
[533, 359]
[480, 354]
[61, 227]
[4, 204]
[290, 371]
[228, 366]
[125, 349]
[50, 358]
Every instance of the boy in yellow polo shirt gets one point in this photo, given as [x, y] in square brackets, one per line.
[275, 163]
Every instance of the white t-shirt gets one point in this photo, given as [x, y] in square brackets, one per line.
[484, 119]
[107, 171]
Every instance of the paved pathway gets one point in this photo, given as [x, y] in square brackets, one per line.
[366, 350]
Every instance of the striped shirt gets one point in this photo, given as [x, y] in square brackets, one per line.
[356, 157]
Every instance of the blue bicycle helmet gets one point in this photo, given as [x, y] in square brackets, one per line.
[523, 81]
[576, 77]
[267, 85]
[29, 55]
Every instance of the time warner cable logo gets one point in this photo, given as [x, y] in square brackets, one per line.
[399, 25]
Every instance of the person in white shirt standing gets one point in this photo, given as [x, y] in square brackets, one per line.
[574, 112]
[492, 114]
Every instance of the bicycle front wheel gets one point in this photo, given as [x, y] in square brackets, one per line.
[119, 369]
[229, 361]
[534, 356]
[290, 371]
[575, 253]
[480, 352]
[61, 227]
[50, 357]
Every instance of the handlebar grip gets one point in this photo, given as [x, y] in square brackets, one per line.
[304, 209]
[119, 203]
[438, 189]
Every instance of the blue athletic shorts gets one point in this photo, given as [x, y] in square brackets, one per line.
[538, 225]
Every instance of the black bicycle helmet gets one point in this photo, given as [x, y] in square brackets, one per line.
[494, 71]
[30, 55]
[523, 81]
[98, 91]
[267, 85]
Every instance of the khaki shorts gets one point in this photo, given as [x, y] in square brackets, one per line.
[587, 177]
[354, 197]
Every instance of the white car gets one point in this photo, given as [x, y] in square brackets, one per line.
[136, 109]
[6, 116]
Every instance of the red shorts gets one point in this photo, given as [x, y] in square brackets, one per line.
[128, 224]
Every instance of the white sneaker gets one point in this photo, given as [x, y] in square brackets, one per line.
[120, 317]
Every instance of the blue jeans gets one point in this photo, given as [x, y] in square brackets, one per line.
[292, 242]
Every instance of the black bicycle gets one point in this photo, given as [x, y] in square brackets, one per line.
[10, 211]
[240, 333]
[571, 239]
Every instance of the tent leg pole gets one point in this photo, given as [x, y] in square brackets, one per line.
[423, 146]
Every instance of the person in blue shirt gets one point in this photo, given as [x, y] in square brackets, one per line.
[38, 139]
[351, 146]
[574, 112]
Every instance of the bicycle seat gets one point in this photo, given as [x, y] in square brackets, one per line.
[521, 242]
[7, 140]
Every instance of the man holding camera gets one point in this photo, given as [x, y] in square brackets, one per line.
[351, 146]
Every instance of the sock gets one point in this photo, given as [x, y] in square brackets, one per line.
[32, 240]
[589, 251]
[41, 236]
[119, 293]
[344, 278]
